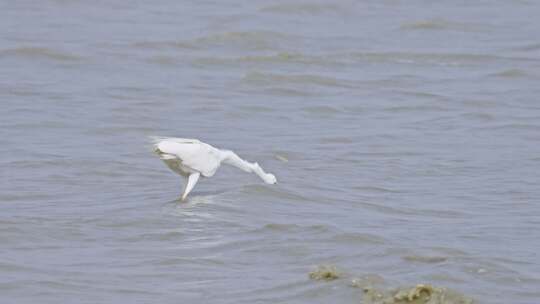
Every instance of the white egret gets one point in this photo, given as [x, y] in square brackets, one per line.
[192, 159]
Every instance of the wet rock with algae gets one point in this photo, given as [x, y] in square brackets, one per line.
[419, 294]
[325, 272]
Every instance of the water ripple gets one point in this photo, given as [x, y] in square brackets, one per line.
[39, 53]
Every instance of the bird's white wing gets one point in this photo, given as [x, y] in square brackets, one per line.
[192, 153]
[157, 139]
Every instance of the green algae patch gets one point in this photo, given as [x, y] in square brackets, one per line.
[374, 289]
[325, 273]
[419, 294]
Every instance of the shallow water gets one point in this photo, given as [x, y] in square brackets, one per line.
[405, 138]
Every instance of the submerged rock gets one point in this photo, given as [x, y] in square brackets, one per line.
[325, 272]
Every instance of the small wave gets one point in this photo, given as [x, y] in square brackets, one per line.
[288, 92]
[171, 261]
[416, 108]
[448, 251]
[435, 213]
[250, 40]
[424, 107]
[39, 164]
[278, 58]
[273, 191]
[425, 259]
[358, 238]
[442, 59]
[248, 36]
[484, 117]
[277, 227]
[164, 44]
[273, 79]
[511, 127]
[440, 24]
[256, 108]
[303, 8]
[163, 60]
[38, 53]
[529, 47]
[336, 140]
[324, 110]
[511, 73]
[12, 267]
[339, 59]
[424, 95]
[247, 40]
[376, 189]
[426, 25]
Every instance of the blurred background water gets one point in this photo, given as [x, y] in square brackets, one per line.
[404, 135]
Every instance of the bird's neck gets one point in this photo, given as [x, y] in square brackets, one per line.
[259, 171]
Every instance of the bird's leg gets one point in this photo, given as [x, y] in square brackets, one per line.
[192, 180]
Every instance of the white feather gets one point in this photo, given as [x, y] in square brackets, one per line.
[191, 153]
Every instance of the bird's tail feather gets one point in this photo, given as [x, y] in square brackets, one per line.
[157, 139]
[154, 140]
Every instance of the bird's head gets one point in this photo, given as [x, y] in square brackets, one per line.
[270, 178]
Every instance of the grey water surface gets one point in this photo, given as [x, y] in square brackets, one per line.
[405, 136]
